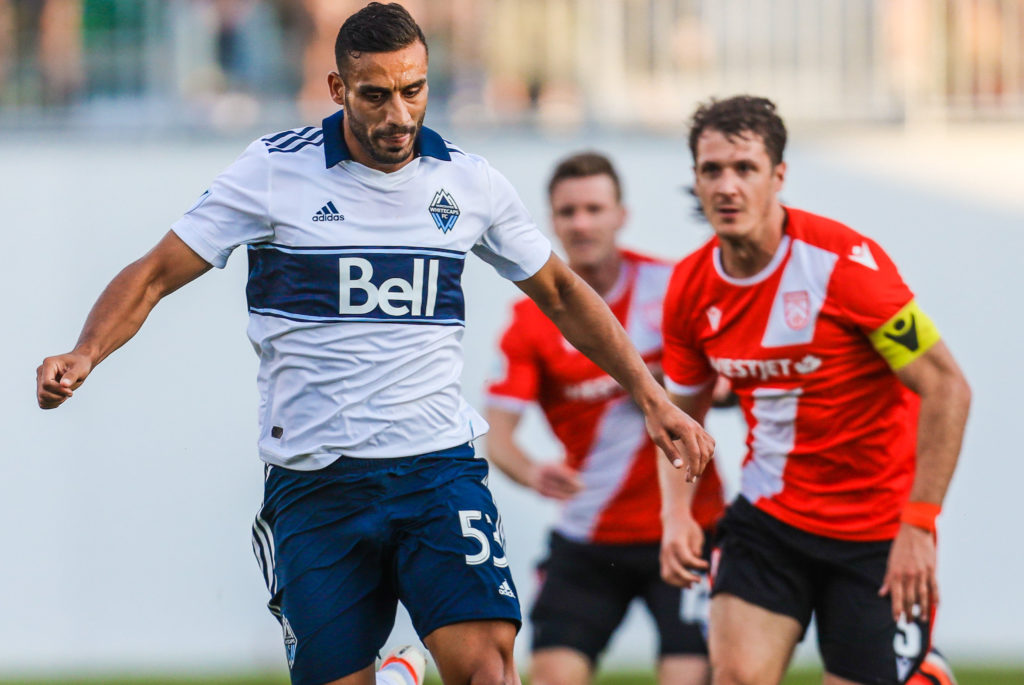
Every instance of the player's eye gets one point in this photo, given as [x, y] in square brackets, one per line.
[413, 92]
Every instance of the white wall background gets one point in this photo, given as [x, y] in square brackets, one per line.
[126, 513]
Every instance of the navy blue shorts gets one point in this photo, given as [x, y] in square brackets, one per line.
[339, 547]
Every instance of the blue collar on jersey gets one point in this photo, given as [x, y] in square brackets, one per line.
[428, 143]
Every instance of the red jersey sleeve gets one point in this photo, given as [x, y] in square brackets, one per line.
[686, 368]
[519, 381]
[867, 287]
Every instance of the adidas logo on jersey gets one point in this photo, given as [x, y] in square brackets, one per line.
[504, 589]
[328, 213]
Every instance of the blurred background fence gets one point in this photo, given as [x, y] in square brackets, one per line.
[236, 64]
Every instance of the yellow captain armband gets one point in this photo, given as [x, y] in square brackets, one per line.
[905, 337]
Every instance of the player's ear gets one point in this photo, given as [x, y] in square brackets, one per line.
[336, 86]
[779, 172]
[623, 217]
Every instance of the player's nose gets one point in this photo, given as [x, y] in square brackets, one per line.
[397, 112]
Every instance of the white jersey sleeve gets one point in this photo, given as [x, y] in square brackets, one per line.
[234, 211]
[513, 244]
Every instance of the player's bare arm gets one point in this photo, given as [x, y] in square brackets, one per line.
[117, 316]
[550, 479]
[586, 322]
[682, 539]
[945, 400]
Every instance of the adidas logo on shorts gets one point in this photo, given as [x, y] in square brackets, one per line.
[328, 213]
[504, 589]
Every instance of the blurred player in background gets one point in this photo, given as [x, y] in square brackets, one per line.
[357, 233]
[855, 407]
[604, 549]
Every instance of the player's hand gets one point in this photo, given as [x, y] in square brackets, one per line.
[685, 443]
[58, 377]
[910, 575]
[555, 480]
[682, 542]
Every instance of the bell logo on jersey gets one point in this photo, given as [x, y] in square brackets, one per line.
[797, 306]
[394, 296]
[365, 284]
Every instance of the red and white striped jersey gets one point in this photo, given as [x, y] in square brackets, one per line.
[832, 431]
[602, 430]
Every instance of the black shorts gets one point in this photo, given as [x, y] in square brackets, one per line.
[788, 571]
[586, 589]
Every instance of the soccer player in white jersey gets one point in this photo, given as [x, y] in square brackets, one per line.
[356, 234]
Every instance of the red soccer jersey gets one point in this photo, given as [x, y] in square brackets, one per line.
[602, 430]
[832, 431]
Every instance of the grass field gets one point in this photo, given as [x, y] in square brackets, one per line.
[965, 676]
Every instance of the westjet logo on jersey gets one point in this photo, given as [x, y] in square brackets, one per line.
[362, 284]
[765, 369]
[329, 213]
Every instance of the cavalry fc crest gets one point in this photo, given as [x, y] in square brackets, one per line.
[444, 210]
[797, 308]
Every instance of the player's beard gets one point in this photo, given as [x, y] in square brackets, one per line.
[371, 141]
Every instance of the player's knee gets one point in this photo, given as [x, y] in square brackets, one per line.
[494, 672]
[559, 666]
[730, 670]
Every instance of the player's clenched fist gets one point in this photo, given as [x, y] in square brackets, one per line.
[58, 377]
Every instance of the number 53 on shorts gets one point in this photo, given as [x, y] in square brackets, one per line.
[466, 519]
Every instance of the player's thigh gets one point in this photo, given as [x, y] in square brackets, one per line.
[763, 589]
[319, 542]
[560, 666]
[584, 594]
[749, 645]
[450, 563]
[477, 652]
[857, 636]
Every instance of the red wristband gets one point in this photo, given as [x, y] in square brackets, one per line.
[921, 515]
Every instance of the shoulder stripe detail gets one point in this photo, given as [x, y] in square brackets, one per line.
[290, 132]
[293, 141]
[452, 147]
[317, 143]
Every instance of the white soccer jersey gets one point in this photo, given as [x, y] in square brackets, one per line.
[355, 300]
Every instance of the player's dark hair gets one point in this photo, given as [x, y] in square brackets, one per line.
[585, 164]
[376, 28]
[738, 115]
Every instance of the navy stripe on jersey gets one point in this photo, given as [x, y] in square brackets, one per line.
[357, 284]
[295, 140]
